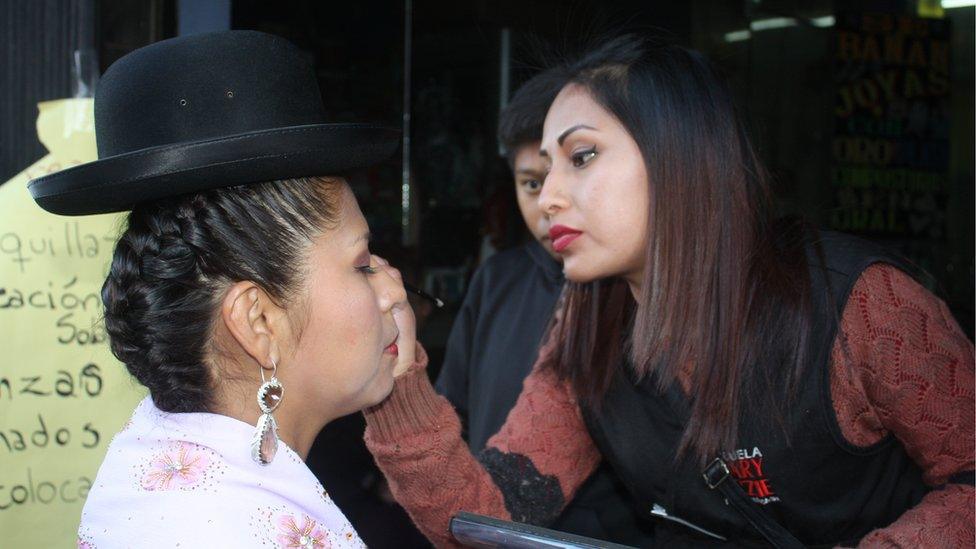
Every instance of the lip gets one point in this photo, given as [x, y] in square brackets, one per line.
[392, 348]
[562, 236]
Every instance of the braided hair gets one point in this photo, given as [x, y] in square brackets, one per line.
[176, 258]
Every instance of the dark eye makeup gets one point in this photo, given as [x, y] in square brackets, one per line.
[583, 157]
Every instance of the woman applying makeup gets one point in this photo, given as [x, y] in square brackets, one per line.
[752, 381]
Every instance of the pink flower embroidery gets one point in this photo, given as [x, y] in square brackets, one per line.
[82, 544]
[178, 467]
[308, 536]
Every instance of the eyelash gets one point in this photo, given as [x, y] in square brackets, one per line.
[579, 161]
[366, 269]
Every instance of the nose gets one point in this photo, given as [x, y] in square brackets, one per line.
[389, 286]
[553, 198]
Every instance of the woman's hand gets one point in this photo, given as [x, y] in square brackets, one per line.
[405, 321]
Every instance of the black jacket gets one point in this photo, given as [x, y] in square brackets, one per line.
[802, 474]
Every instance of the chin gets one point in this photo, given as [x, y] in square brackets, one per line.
[574, 271]
[383, 389]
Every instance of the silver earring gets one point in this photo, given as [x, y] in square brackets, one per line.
[264, 445]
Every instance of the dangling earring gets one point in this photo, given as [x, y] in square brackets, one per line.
[264, 445]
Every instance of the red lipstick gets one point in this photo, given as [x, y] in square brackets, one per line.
[562, 236]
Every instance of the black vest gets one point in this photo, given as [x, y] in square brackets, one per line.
[820, 488]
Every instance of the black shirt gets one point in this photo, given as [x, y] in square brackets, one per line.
[496, 335]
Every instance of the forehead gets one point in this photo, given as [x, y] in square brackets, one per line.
[527, 156]
[574, 105]
[351, 222]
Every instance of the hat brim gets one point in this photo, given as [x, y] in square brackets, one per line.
[118, 183]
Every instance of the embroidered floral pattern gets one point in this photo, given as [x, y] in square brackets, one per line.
[291, 528]
[180, 466]
[308, 535]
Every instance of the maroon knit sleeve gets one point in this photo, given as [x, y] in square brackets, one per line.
[528, 472]
[902, 365]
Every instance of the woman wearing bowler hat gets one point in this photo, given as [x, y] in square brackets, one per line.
[242, 292]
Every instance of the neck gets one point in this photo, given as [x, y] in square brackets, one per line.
[296, 427]
[298, 430]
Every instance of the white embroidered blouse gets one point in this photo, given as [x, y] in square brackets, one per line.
[188, 480]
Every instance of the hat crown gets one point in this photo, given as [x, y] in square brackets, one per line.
[204, 86]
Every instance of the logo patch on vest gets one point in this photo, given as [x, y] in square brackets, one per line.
[746, 466]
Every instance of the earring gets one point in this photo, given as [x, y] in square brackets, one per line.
[264, 445]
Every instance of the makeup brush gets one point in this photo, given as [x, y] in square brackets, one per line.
[417, 291]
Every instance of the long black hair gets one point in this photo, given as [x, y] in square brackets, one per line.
[724, 306]
[176, 258]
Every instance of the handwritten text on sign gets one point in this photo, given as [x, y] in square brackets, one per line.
[78, 306]
[62, 393]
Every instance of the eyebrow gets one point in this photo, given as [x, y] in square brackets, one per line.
[562, 137]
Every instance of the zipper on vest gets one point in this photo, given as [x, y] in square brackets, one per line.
[661, 512]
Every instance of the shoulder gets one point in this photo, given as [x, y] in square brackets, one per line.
[183, 498]
[849, 255]
[887, 300]
[141, 517]
[506, 261]
[212, 520]
[902, 364]
[499, 273]
[845, 268]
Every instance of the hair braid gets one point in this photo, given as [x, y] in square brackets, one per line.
[175, 258]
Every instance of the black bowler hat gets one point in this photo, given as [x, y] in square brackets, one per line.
[207, 111]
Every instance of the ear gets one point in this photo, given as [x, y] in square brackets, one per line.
[250, 316]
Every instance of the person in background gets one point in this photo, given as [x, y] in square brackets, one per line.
[496, 335]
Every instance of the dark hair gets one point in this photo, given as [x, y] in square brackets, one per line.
[725, 290]
[176, 258]
[521, 121]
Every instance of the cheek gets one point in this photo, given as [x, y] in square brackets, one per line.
[361, 324]
[622, 199]
[525, 203]
[350, 313]
[529, 206]
[615, 210]
[341, 341]
[634, 210]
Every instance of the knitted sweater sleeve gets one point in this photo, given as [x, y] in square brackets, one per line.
[902, 366]
[527, 473]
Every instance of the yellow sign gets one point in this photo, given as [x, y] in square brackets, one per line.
[931, 8]
[62, 393]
